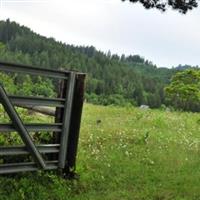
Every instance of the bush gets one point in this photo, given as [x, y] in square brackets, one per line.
[114, 99]
[184, 91]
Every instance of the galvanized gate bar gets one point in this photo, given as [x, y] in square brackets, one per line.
[18, 124]
[22, 150]
[66, 120]
[37, 101]
[10, 67]
[32, 127]
[25, 167]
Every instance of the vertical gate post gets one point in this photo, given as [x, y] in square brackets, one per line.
[66, 120]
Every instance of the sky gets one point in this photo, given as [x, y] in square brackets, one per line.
[167, 39]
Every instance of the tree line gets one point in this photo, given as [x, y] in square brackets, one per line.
[111, 79]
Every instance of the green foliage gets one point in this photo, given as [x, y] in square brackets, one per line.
[8, 83]
[114, 99]
[181, 6]
[13, 138]
[184, 90]
[43, 88]
[24, 85]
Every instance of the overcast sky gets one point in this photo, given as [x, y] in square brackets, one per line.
[167, 39]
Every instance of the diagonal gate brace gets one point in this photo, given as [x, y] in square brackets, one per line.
[19, 126]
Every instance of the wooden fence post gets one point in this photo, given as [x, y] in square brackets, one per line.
[75, 123]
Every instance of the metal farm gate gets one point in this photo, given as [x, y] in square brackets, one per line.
[61, 153]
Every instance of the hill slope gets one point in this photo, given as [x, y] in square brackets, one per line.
[114, 79]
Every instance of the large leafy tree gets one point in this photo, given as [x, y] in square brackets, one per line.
[184, 90]
[181, 5]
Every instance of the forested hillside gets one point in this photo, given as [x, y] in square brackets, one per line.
[112, 79]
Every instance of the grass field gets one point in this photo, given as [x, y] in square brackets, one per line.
[131, 154]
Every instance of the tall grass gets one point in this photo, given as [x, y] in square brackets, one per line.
[124, 153]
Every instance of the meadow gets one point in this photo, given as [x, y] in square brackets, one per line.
[125, 153]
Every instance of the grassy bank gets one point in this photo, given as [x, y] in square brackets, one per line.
[129, 154]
